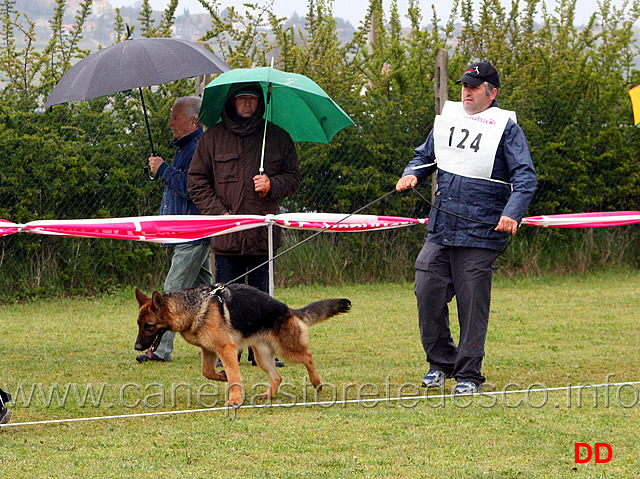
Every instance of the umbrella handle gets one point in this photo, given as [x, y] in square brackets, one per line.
[148, 175]
[264, 133]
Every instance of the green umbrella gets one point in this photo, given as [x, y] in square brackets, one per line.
[295, 103]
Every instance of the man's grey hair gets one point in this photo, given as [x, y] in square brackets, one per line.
[490, 87]
[190, 104]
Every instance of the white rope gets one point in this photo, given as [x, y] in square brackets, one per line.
[228, 409]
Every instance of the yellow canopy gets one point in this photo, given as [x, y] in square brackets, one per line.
[634, 93]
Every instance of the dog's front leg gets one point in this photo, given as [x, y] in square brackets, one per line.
[209, 371]
[229, 358]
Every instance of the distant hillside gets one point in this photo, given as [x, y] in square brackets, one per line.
[99, 28]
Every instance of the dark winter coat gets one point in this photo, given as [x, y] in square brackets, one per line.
[221, 177]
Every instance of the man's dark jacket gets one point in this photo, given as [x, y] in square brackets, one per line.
[480, 200]
[222, 171]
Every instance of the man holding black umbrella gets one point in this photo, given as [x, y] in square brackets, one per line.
[224, 179]
[190, 261]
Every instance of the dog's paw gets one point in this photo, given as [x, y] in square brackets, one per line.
[234, 402]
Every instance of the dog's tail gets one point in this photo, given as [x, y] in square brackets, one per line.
[324, 309]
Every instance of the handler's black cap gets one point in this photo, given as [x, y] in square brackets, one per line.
[480, 72]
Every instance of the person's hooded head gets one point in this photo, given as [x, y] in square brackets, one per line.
[244, 108]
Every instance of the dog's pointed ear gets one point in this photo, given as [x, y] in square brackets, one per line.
[157, 300]
[141, 297]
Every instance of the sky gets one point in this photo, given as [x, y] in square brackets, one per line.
[355, 10]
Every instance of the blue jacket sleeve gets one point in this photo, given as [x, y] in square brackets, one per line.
[522, 173]
[175, 180]
[424, 160]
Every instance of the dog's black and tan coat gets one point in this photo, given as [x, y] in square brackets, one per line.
[222, 320]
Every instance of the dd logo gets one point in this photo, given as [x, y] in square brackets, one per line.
[590, 452]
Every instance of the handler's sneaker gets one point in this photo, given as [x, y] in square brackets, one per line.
[466, 388]
[434, 379]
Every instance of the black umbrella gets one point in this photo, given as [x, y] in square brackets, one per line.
[135, 63]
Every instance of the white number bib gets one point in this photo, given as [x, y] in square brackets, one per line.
[466, 144]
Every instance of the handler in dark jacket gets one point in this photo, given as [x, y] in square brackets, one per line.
[224, 179]
[486, 181]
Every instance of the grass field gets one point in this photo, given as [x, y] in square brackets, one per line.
[550, 337]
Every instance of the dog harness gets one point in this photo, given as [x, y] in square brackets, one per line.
[216, 290]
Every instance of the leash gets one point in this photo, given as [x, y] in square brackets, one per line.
[466, 219]
[449, 212]
[355, 213]
[311, 237]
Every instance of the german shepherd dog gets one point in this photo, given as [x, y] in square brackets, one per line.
[222, 320]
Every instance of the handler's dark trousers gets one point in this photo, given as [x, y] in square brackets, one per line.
[443, 272]
[230, 267]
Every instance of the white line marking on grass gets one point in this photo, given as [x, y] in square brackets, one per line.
[321, 403]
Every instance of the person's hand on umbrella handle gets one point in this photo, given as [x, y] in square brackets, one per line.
[406, 182]
[507, 225]
[154, 163]
[261, 185]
